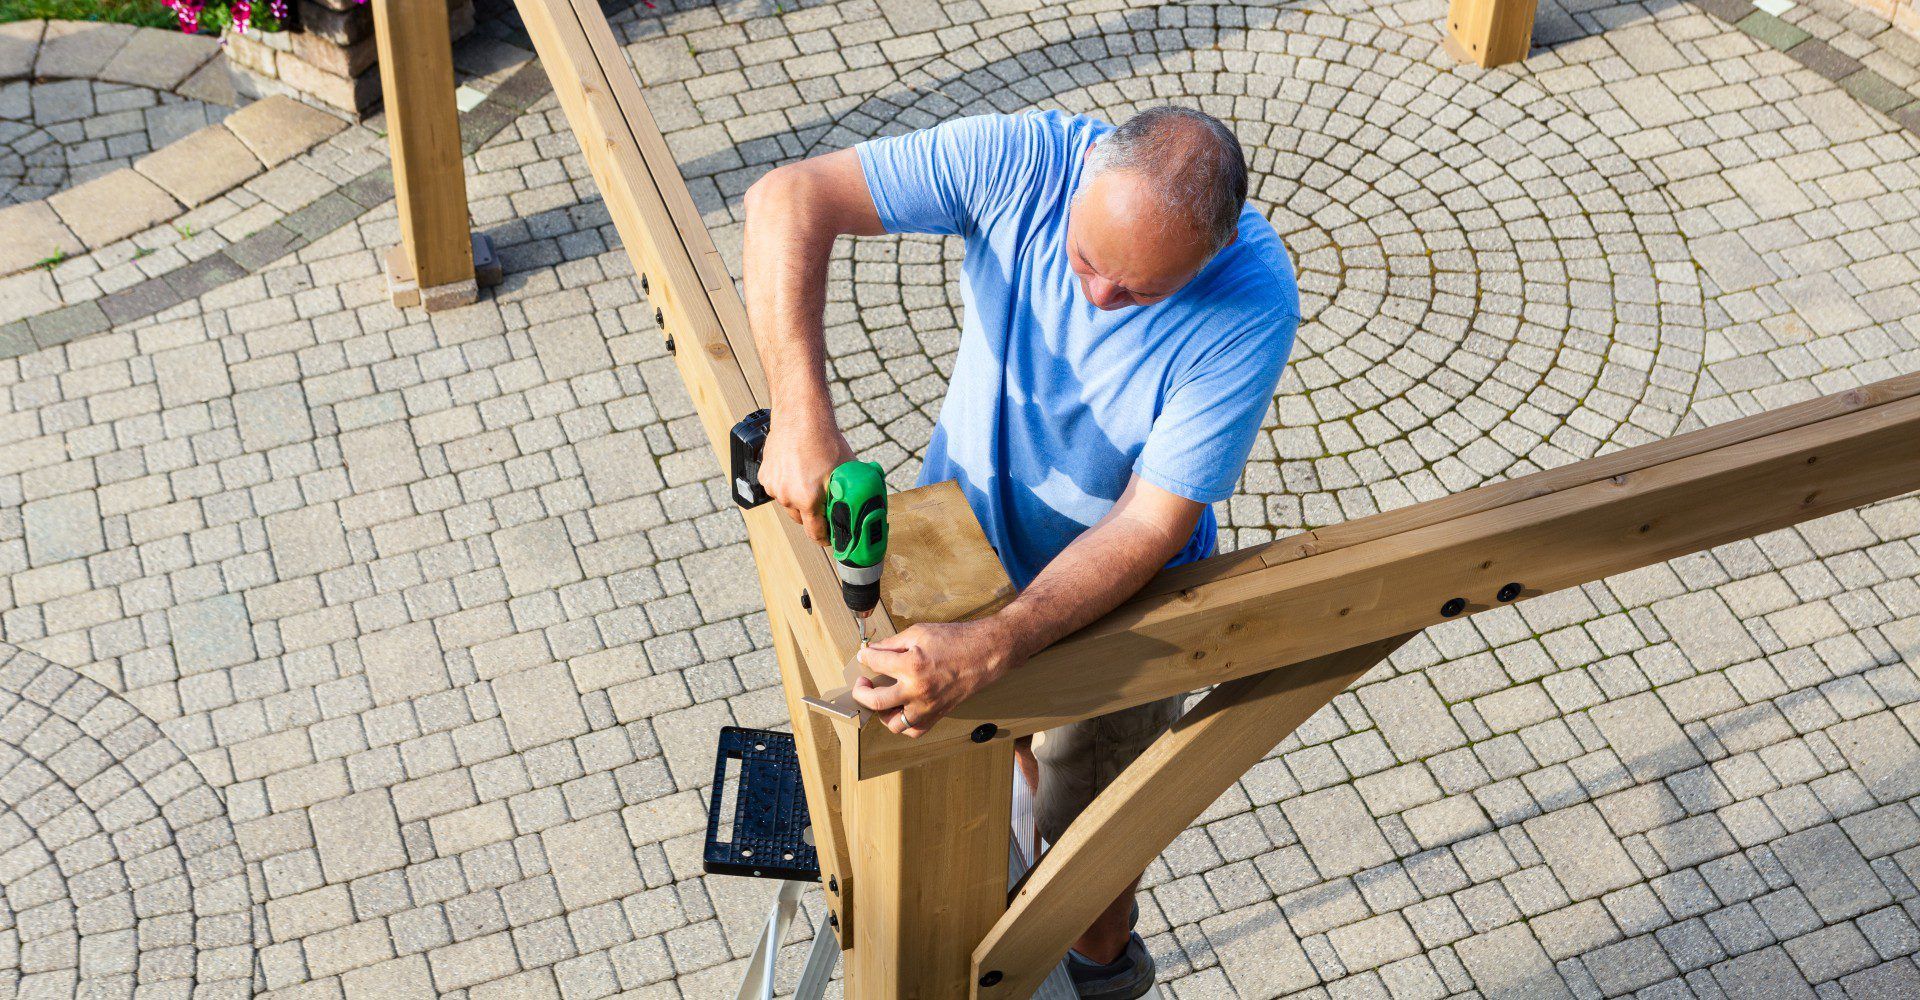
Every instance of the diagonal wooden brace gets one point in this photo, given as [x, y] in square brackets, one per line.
[1152, 801]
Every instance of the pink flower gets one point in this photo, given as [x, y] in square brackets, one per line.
[188, 13]
[242, 12]
[279, 8]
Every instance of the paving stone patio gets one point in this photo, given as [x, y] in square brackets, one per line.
[91, 125]
[65, 132]
[358, 653]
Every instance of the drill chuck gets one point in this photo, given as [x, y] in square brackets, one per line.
[859, 586]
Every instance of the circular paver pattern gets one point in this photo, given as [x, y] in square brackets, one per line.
[60, 133]
[1488, 284]
[33, 164]
[122, 875]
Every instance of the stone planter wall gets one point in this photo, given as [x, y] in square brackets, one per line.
[329, 57]
[1905, 14]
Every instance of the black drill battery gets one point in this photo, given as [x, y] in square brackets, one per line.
[747, 443]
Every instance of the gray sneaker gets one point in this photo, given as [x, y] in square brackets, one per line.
[1126, 978]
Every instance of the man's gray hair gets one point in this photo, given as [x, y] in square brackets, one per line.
[1202, 172]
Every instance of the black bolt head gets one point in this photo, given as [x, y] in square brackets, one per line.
[991, 979]
[1509, 592]
[806, 602]
[984, 732]
[1453, 607]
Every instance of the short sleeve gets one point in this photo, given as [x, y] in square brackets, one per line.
[1199, 442]
[944, 178]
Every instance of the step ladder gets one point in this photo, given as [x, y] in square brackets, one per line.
[757, 827]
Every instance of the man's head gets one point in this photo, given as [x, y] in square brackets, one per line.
[1161, 195]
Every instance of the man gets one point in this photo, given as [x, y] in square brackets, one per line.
[1126, 320]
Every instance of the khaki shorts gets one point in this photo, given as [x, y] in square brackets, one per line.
[1080, 759]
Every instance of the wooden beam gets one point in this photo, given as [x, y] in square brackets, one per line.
[1255, 619]
[940, 568]
[1489, 33]
[927, 850]
[1152, 801]
[423, 135]
[1537, 484]
[685, 229]
[817, 744]
[670, 250]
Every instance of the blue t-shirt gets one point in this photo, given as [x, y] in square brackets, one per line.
[1053, 403]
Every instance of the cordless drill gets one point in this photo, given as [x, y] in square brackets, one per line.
[855, 510]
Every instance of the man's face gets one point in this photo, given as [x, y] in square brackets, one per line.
[1123, 248]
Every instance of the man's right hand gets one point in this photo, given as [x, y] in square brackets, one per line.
[799, 456]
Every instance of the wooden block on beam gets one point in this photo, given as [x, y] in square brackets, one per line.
[940, 566]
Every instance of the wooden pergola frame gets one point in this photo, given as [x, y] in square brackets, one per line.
[913, 834]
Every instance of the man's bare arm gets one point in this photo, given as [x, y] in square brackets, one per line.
[1104, 566]
[794, 213]
[936, 667]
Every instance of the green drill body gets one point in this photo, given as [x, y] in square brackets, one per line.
[856, 513]
[855, 509]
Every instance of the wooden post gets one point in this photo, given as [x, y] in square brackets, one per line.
[434, 263]
[1489, 32]
[930, 852]
[818, 747]
[929, 843]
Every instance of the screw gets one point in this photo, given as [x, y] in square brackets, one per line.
[833, 884]
[834, 919]
[1453, 607]
[659, 320]
[806, 602]
[991, 979]
[669, 343]
[643, 285]
[984, 732]
[1509, 592]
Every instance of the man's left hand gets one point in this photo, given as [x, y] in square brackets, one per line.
[934, 668]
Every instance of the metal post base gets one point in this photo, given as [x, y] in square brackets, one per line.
[404, 291]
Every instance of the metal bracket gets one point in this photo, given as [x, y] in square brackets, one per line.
[838, 704]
